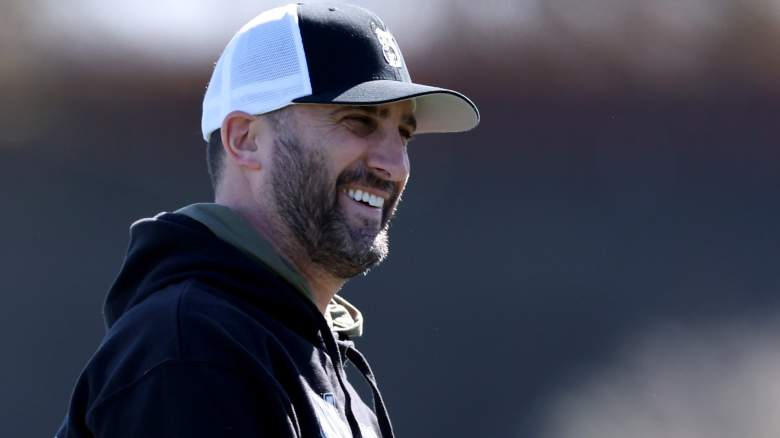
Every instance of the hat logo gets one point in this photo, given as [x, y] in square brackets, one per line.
[389, 47]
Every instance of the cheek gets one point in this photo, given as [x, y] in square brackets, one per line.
[346, 156]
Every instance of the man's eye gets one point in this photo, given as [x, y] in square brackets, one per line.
[360, 125]
[406, 134]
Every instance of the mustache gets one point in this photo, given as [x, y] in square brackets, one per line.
[361, 175]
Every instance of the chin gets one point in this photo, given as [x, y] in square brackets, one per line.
[357, 255]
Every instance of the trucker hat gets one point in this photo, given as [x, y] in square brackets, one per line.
[323, 53]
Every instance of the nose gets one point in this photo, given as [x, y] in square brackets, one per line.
[388, 158]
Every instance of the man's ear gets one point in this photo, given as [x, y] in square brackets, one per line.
[238, 140]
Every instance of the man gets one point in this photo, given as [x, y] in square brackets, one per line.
[224, 320]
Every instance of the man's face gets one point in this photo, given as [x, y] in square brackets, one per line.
[337, 174]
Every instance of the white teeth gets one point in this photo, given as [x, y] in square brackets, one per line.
[377, 201]
[368, 198]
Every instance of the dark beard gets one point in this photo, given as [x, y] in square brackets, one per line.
[308, 206]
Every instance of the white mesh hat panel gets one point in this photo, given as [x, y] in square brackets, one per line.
[263, 68]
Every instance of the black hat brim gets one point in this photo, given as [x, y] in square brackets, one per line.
[437, 109]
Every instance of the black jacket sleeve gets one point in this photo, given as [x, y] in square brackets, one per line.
[193, 399]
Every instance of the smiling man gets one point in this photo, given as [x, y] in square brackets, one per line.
[332, 187]
[224, 319]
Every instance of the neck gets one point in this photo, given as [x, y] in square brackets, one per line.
[322, 284]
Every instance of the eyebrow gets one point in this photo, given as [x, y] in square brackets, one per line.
[383, 113]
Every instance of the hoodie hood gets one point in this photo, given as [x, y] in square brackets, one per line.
[344, 318]
[214, 245]
[171, 248]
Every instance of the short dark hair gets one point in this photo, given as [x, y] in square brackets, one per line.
[215, 150]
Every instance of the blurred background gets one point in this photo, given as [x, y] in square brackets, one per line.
[598, 259]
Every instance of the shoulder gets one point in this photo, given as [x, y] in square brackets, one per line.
[189, 321]
[185, 322]
[194, 399]
[184, 328]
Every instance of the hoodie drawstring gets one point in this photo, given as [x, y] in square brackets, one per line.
[361, 363]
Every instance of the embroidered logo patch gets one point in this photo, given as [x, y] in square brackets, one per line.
[331, 423]
[389, 47]
[329, 398]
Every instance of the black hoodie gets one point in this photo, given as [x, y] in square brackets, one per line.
[205, 341]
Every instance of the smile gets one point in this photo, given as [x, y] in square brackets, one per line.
[364, 197]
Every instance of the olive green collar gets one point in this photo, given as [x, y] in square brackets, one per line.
[226, 224]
